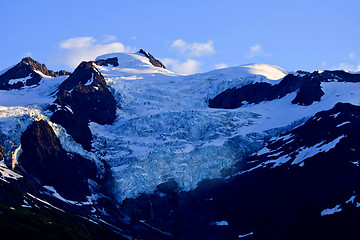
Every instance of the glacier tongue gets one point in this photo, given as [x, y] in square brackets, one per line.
[187, 147]
[165, 130]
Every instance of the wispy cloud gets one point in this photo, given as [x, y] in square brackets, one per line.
[347, 67]
[194, 49]
[351, 56]
[190, 66]
[109, 38]
[79, 42]
[221, 65]
[75, 50]
[256, 50]
[27, 54]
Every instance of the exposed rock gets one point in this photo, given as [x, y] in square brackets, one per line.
[44, 158]
[25, 72]
[2, 154]
[42, 68]
[168, 187]
[153, 60]
[110, 61]
[75, 125]
[84, 97]
[307, 85]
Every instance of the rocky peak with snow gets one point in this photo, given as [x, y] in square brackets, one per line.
[84, 96]
[152, 60]
[307, 86]
[27, 72]
[35, 65]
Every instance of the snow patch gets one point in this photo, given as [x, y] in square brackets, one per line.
[7, 173]
[341, 124]
[351, 199]
[55, 194]
[246, 235]
[90, 81]
[355, 163]
[309, 152]
[15, 156]
[23, 80]
[221, 223]
[330, 211]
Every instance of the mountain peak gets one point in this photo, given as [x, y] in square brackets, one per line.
[36, 66]
[153, 60]
[26, 73]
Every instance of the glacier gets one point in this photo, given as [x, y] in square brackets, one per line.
[164, 129]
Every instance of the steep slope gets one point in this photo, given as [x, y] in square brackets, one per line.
[81, 98]
[307, 86]
[42, 153]
[153, 61]
[26, 73]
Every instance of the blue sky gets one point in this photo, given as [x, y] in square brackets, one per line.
[188, 36]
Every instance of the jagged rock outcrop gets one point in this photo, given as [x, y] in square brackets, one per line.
[306, 84]
[24, 74]
[83, 97]
[2, 154]
[44, 158]
[308, 88]
[110, 61]
[153, 60]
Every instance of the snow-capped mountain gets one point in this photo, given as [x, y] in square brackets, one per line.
[252, 151]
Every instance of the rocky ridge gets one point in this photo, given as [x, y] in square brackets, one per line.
[26, 73]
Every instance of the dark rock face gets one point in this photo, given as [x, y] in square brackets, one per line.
[2, 154]
[110, 61]
[25, 215]
[308, 87]
[44, 158]
[76, 126]
[168, 187]
[26, 69]
[153, 60]
[283, 202]
[84, 97]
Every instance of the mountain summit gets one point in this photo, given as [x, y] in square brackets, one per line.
[27, 72]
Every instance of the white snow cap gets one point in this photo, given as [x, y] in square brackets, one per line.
[127, 59]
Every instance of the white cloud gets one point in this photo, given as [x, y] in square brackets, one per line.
[323, 64]
[194, 49]
[28, 54]
[190, 66]
[256, 51]
[221, 65]
[347, 67]
[79, 42]
[109, 38]
[352, 56]
[80, 49]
